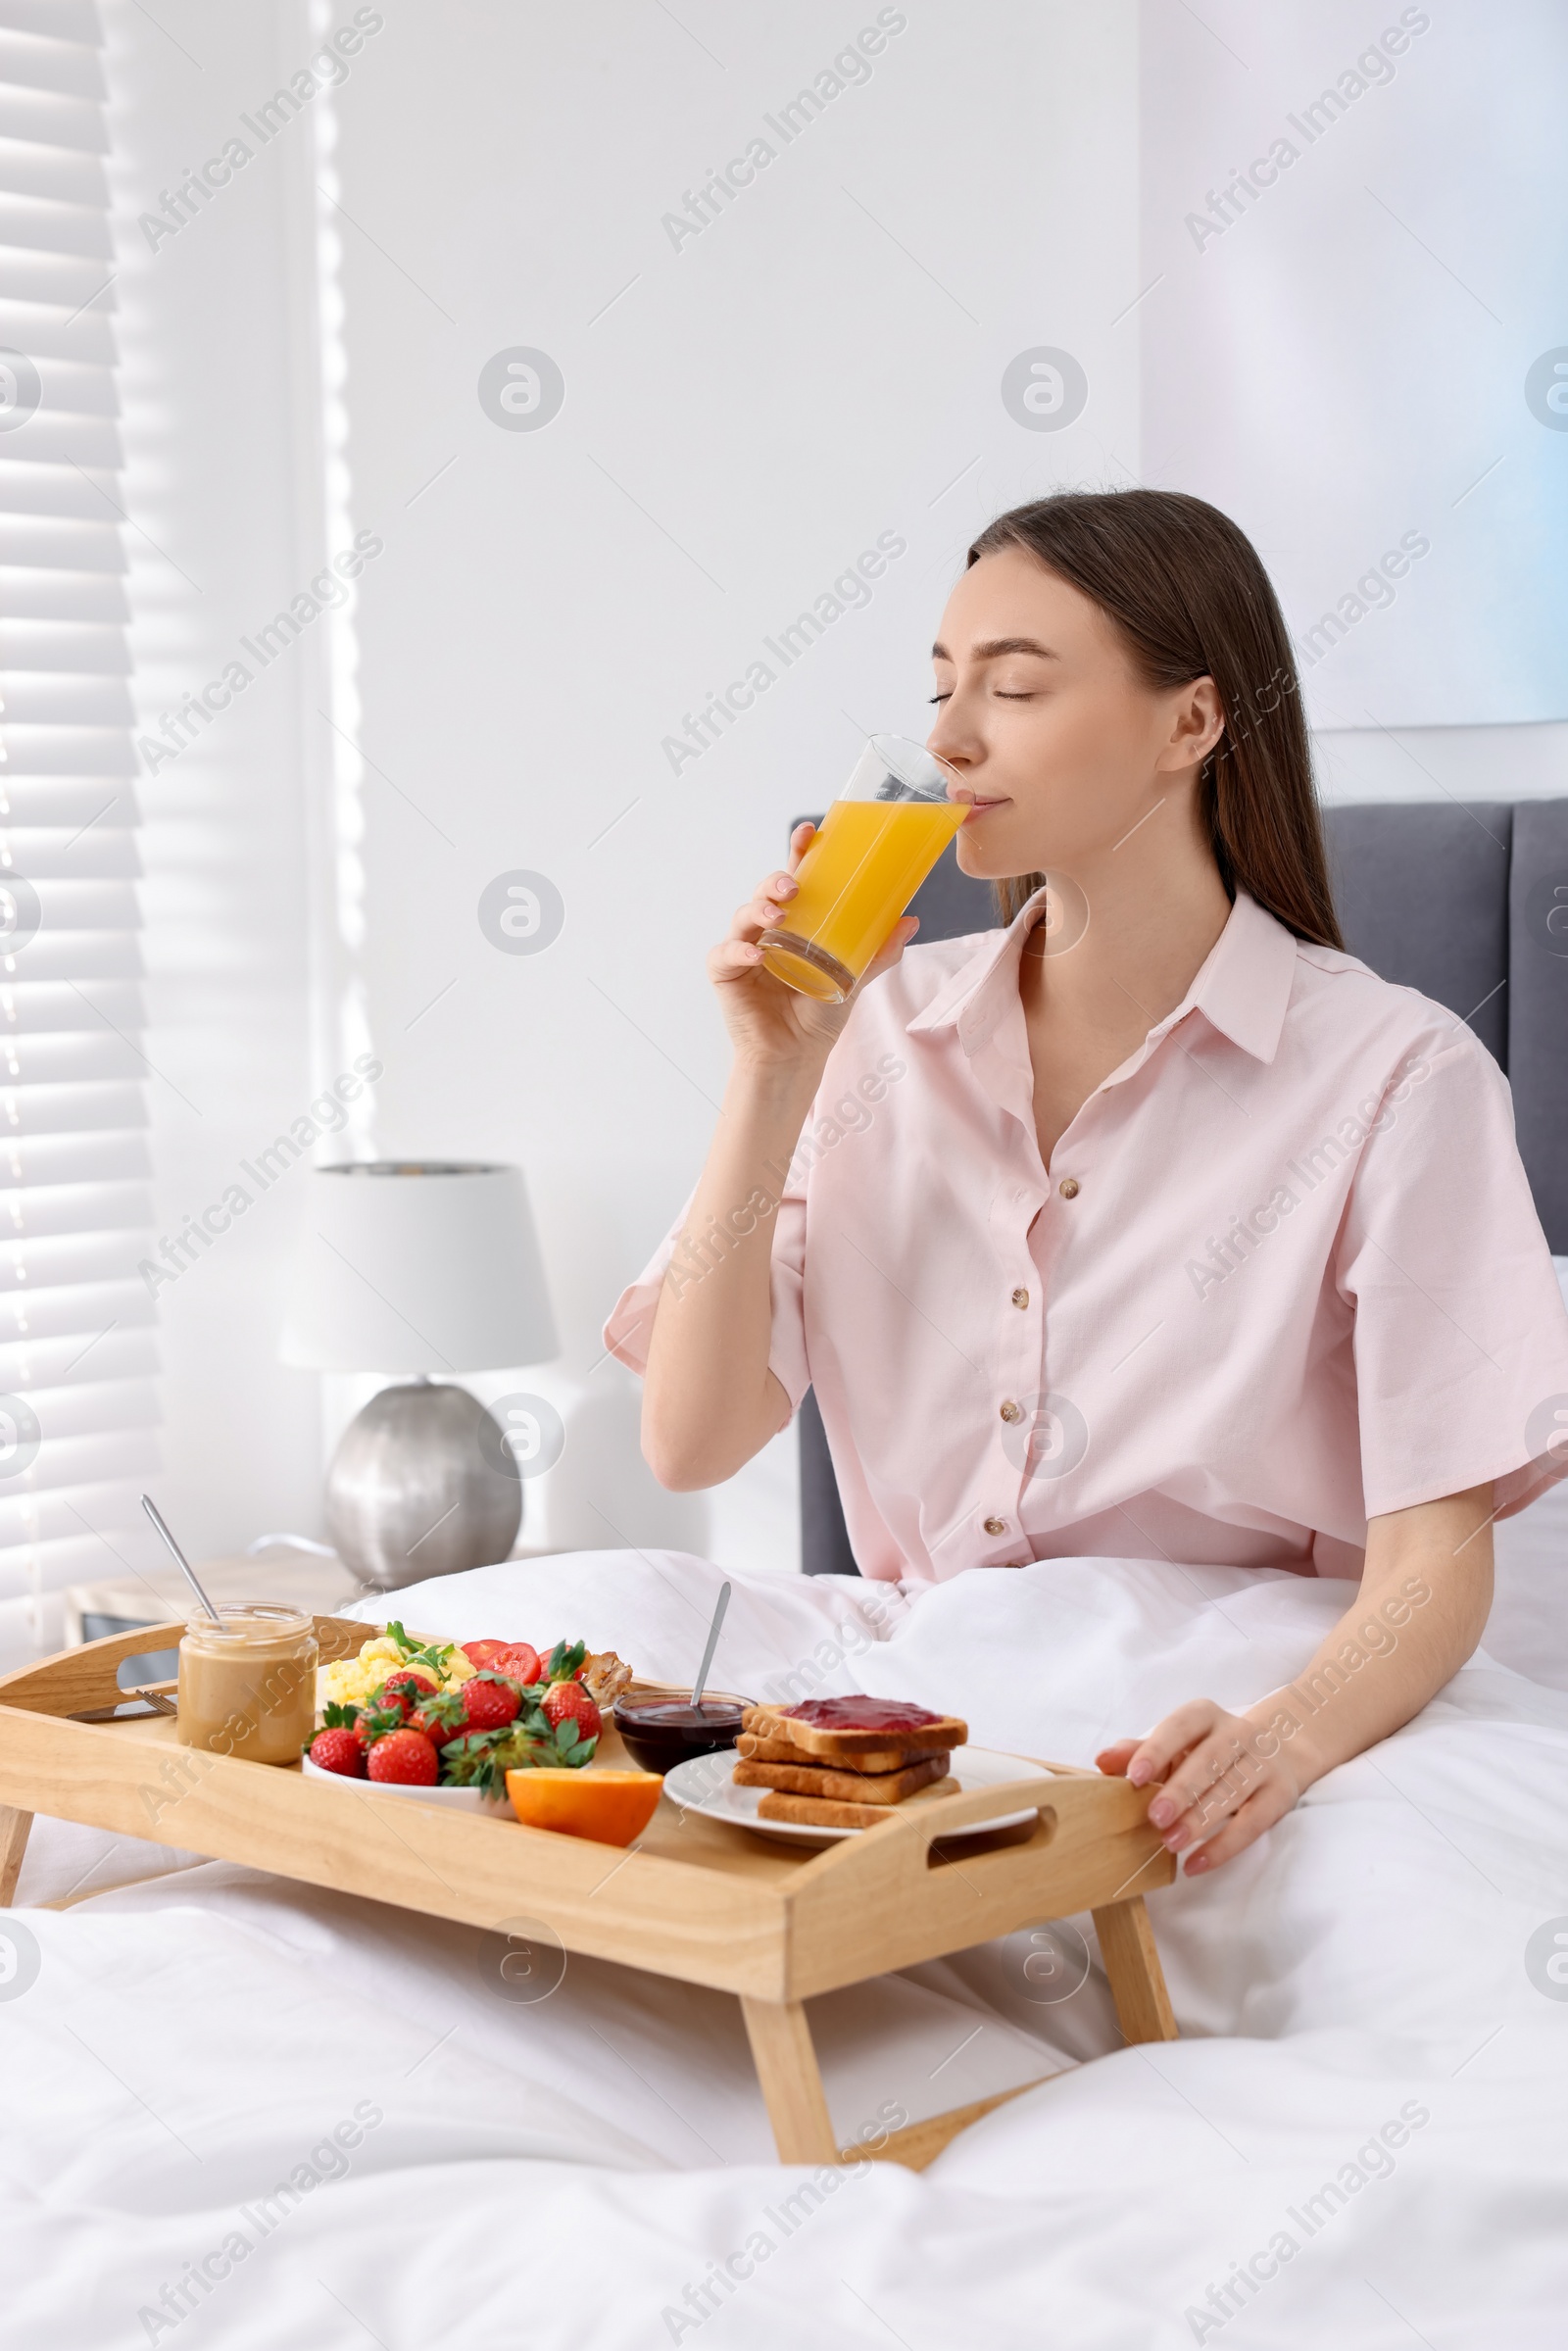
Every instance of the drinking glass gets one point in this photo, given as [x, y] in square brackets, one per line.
[875, 846]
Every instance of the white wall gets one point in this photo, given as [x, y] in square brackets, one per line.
[755, 405]
[1340, 355]
[1433, 762]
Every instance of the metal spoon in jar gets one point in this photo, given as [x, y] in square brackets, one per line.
[701, 1682]
[184, 1565]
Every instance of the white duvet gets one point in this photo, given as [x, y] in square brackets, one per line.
[242, 2113]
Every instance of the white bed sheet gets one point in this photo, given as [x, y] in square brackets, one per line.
[570, 2171]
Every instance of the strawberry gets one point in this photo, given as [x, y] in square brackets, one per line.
[569, 1701]
[479, 1759]
[565, 1661]
[404, 1689]
[440, 1718]
[372, 1722]
[568, 1749]
[338, 1750]
[366, 1722]
[488, 1701]
[406, 1759]
[484, 1759]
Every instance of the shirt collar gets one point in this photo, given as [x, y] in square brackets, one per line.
[1243, 988]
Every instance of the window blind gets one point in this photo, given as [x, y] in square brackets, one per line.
[77, 1347]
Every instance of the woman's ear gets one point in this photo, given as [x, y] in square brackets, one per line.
[1198, 721]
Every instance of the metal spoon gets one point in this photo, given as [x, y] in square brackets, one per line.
[713, 1644]
[184, 1565]
[156, 1701]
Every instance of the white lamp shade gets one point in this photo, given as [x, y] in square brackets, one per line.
[404, 1267]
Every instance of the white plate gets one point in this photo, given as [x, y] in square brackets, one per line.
[465, 1800]
[703, 1784]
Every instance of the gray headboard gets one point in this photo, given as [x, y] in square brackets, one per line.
[1469, 904]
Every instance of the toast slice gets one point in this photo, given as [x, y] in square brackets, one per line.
[758, 1749]
[829, 1813]
[840, 1786]
[847, 1745]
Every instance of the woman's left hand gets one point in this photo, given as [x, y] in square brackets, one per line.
[1218, 1792]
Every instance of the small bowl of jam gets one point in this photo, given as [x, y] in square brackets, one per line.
[660, 1730]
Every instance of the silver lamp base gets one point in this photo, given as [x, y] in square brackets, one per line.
[412, 1489]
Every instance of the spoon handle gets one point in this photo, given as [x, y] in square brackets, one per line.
[185, 1567]
[713, 1644]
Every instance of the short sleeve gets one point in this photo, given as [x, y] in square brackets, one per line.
[682, 1258]
[1460, 1332]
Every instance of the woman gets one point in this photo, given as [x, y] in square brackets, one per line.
[1152, 1226]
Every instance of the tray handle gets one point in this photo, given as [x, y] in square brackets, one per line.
[933, 1820]
[940, 1816]
[86, 1675]
[901, 1848]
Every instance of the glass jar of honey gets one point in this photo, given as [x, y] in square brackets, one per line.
[247, 1684]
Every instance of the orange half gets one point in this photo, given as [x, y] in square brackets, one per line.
[609, 1808]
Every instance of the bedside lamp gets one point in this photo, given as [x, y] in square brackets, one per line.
[429, 1269]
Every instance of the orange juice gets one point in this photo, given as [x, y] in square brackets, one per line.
[855, 881]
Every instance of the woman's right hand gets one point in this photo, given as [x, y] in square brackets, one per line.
[770, 1023]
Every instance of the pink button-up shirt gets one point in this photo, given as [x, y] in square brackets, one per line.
[1282, 1275]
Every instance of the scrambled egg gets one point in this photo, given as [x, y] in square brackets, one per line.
[355, 1681]
[350, 1682]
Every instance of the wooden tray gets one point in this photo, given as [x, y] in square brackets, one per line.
[694, 1898]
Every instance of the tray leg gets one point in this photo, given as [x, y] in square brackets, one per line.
[792, 2085]
[13, 1828]
[1137, 1979]
[920, 2143]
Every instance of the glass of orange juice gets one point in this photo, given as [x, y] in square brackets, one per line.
[875, 846]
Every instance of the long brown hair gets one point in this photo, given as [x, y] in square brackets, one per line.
[1190, 596]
